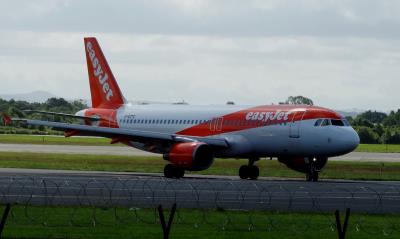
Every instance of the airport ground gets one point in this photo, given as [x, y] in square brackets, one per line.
[354, 166]
[42, 221]
[96, 141]
[111, 205]
[154, 164]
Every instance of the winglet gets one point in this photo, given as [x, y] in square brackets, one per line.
[6, 119]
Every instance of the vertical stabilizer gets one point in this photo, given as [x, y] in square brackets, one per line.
[103, 86]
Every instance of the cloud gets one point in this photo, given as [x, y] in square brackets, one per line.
[341, 54]
[335, 72]
[220, 17]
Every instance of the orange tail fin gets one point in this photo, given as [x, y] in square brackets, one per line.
[103, 86]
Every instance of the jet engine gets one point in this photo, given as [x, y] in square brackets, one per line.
[303, 164]
[193, 156]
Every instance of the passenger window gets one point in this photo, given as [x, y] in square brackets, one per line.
[345, 122]
[318, 122]
[337, 122]
[326, 122]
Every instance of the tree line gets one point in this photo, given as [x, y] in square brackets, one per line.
[16, 109]
[377, 127]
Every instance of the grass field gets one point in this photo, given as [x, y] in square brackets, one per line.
[72, 222]
[51, 139]
[272, 168]
[94, 141]
[379, 148]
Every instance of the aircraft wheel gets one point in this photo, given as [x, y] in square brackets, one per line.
[312, 177]
[179, 172]
[254, 172]
[244, 172]
[315, 177]
[169, 171]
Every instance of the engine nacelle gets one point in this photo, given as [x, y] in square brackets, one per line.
[302, 164]
[194, 156]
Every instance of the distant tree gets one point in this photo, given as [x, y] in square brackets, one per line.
[372, 116]
[378, 129]
[393, 119]
[359, 121]
[367, 135]
[57, 102]
[296, 100]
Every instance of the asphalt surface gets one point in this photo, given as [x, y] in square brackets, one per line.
[106, 189]
[129, 151]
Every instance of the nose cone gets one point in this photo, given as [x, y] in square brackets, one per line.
[353, 140]
[349, 140]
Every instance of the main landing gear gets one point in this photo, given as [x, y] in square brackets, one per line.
[313, 174]
[249, 171]
[171, 171]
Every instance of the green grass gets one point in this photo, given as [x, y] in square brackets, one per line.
[86, 222]
[379, 148]
[271, 168]
[51, 139]
[95, 141]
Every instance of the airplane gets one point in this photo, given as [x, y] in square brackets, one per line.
[190, 137]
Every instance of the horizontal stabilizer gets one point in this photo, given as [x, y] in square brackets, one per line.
[61, 114]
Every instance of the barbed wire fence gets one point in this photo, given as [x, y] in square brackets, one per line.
[224, 205]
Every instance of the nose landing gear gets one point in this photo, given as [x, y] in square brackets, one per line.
[249, 171]
[313, 174]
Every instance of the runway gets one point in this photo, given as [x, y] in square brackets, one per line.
[61, 187]
[129, 151]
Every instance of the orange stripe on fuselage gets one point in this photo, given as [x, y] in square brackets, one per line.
[258, 117]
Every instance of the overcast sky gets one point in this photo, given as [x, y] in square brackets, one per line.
[341, 54]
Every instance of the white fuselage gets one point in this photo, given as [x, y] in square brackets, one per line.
[290, 135]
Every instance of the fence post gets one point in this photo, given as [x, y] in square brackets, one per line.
[166, 227]
[4, 219]
[342, 232]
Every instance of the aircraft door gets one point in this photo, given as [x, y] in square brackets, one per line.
[294, 129]
[216, 124]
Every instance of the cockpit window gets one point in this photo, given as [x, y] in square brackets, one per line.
[318, 122]
[337, 122]
[345, 122]
[326, 122]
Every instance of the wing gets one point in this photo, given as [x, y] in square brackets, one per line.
[125, 134]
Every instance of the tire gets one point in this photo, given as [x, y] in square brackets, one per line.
[179, 172]
[244, 172]
[315, 177]
[169, 171]
[254, 172]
